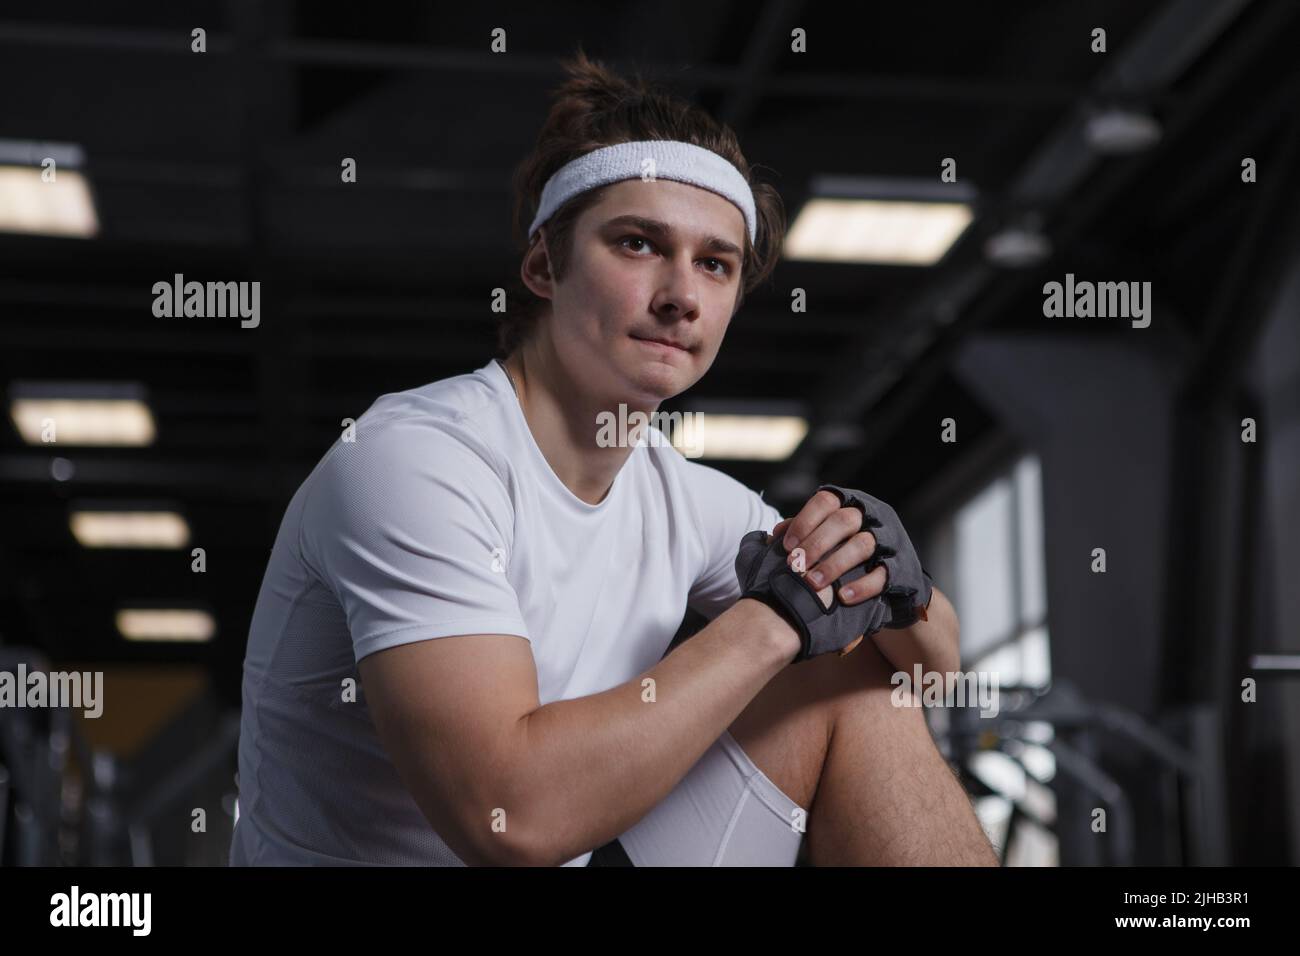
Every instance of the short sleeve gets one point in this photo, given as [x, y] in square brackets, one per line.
[726, 510]
[410, 526]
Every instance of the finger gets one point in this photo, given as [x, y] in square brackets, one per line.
[836, 528]
[780, 527]
[853, 552]
[796, 563]
[809, 517]
[865, 587]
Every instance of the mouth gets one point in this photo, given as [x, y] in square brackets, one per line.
[663, 343]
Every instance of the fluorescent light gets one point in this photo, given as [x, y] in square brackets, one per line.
[62, 207]
[165, 624]
[81, 414]
[1275, 662]
[750, 437]
[876, 230]
[1119, 131]
[83, 421]
[129, 529]
[1017, 248]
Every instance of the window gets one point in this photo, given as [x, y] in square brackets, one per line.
[987, 556]
[988, 559]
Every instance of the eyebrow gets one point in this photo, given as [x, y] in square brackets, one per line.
[665, 231]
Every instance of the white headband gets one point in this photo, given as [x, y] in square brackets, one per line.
[678, 161]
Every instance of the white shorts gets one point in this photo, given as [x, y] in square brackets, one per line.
[724, 812]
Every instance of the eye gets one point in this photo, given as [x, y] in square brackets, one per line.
[635, 238]
[726, 269]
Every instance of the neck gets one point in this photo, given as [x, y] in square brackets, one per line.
[562, 416]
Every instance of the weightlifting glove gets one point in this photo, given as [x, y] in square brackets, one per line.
[908, 588]
[764, 574]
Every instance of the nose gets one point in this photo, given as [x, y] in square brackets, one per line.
[677, 295]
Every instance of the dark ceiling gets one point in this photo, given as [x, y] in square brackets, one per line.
[225, 165]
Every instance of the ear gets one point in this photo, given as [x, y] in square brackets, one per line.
[535, 270]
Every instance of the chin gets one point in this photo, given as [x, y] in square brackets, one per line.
[660, 385]
[657, 381]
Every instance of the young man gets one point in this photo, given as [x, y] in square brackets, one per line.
[458, 652]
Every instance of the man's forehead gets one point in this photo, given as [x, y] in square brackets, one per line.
[681, 209]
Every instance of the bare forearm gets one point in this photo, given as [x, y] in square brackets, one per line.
[592, 766]
[933, 643]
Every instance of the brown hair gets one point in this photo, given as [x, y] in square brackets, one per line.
[596, 107]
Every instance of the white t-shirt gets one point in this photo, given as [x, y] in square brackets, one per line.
[443, 517]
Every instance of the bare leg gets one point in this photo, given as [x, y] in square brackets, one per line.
[877, 789]
[886, 796]
[786, 729]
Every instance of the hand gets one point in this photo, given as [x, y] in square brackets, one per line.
[797, 565]
[824, 530]
[764, 572]
[841, 528]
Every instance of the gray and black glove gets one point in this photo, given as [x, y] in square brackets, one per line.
[909, 588]
[764, 574]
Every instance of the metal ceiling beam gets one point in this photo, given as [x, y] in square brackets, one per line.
[437, 312]
[1249, 126]
[765, 43]
[109, 39]
[105, 339]
[351, 54]
[219, 477]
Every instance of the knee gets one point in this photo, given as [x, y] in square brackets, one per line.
[863, 672]
[865, 684]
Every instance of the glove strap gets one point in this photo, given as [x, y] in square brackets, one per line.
[775, 603]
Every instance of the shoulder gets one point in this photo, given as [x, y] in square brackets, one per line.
[412, 451]
[442, 424]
